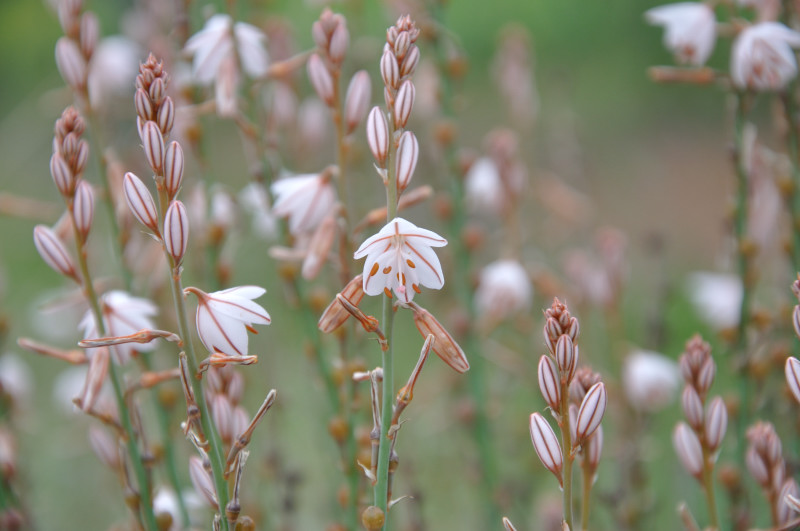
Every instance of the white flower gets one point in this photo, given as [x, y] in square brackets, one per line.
[214, 43]
[483, 187]
[254, 200]
[650, 380]
[113, 69]
[689, 30]
[122, 315]
[304, 199]
[400, 258]
[504, 289]
[223, 318]
[16, 378]
[717, 298]
[762, 57]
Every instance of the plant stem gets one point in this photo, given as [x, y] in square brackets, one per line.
[586, 498]
[791, 192]
[708, 485]
[566, 449]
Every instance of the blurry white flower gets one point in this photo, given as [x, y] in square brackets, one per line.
[400, 258]
[650, 380]
[67, 385]
[765, 9]
[166, 502]
[504, 290]
[689, 30]
[16, 378]
[223, 318]
[122, 315]
[304, 199]
[483, 187]
[717, 298]
[214, 43]
[223, 210]
[762, 57]
[112, 70]
[254, 199]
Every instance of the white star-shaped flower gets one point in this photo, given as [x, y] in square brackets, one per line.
[762, 57]
[400, 258]
[223, 318]
[123, 315]
[689, 30]
[213, 44]
[304, 199]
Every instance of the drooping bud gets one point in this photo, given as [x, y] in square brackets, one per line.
[153, 144]
[173, 169]
[53, 252]
[549, 382]
[403, 103]
[320, 79]
[335, 314]
[591, 412]
[546, 445]
[83, 209]
[688, 448]
[357, 100]
[140, 202]
[445, 346]
[378, 135]
[176, 231]
[89, 33]
[716, 423]
[406, 160]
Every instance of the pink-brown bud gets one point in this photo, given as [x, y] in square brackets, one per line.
[390, 72]
[201, 479]
[140, 201]
[89, 33]
[549, 382]
[158, 90]
[176, 231]
[71, 64]
[716, 423]
[445, 346]
[319, 247]
[594, 447]
[173, 169]
[692, 407]
[357, 100]
[144, 109]
[403, 103]
[83, 209]
[53, 252]
[340, 40]
[378, 135]
[335, 314]
[410, 62]
[546, 445]
[406, 160]
[792, 370]
[153, 144]
[320, 79]
[62, 175]
[95, 377]
[166, 115]
[688, 448]
[591, 412]
[565, 357]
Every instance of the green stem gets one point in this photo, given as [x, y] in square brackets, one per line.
[708, 486]
[791, 192]
[586, 498]
[566, 450]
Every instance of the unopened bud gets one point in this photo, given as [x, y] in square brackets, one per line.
[403, 103]
[202, 481]
[53, 252]
[335, 314]
[90, 30]
[591, 412]
[144, 109]
[320, 79]
[716, 423]
[594, 447]
[158, 90]
[549, 382]
[173, 169]
[62, 175]
[176, 231]
[71, 64]
[565, 356]
[153, 144]
[166, 115]
[378, 135]
[140, 202]
[688, 448]
[792, 370]
[546, 445]
[83, 209]
[340, 40]
[407, 155]
[319, 247]
[692, 407]
[357, 100]
[390, 72]
[401, 44]
[410, 62]
[445, 346]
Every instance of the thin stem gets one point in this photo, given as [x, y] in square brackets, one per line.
[566, 449]
[586, 498]
[708, 486]
[791, 191]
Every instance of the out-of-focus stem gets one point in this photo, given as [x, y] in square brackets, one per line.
[708, 486]
[586, 498]
[791, 193]
[566, 450]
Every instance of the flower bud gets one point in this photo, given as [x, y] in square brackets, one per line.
[378, 135]
[90, 30]
[335, 314]
[144, 109]
[158, 90]
[688, 448]
[591, 412]
[401, 44]
[53, 252]
[403, 103]
[406, 160]
[410, 62]
[173, 169]
[757, 467]
[565, 356]
[356, 102]
[83, 209]
[445, 346]
[705, 377]
[166, 115]
[549, 382]
[62, 175]
[201, 479]
[692, 407]
[792, 369]
[140, 201]
[320, 79]
[796, 320]
[594, 447]
[95, 377]
[153, 144]
[787, 510]
[716, 423]
[508, 525]
[340, 40]
[546, 445]
[81, 157]
[176, 231]
[71, 64]
[390, 72]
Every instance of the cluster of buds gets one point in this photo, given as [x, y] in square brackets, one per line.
[386, 133]
[577, 399]
[75, 49]
[698, 440]
[764, 460]
[325, 68]
[155, 116]
[792, 370]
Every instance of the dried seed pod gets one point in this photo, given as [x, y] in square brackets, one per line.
[83, 209]
[140, 202]
[688, 448]
[692, 407]
[716, 423]
[406, 159]
[591, 412]
[357, 100]
[549, 382]
[403, 103]
[53, 252]
[320, 79]
[546, 445]
[378, 135]
[176, 231]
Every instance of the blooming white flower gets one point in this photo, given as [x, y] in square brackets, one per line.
[503, 290]
[223, 318]
[762, 57]
[304, 199]
[400, 258]
[650, 380]
[689, 30]
[123, 315]
[215, 43]
[717, 297]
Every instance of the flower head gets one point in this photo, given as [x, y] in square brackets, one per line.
[762, 57]
[223, 318]
[689, 30]
[400, 258]
[213, 44]
[717, 298]
[304, 199]
[123, 315]
[504, 289]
